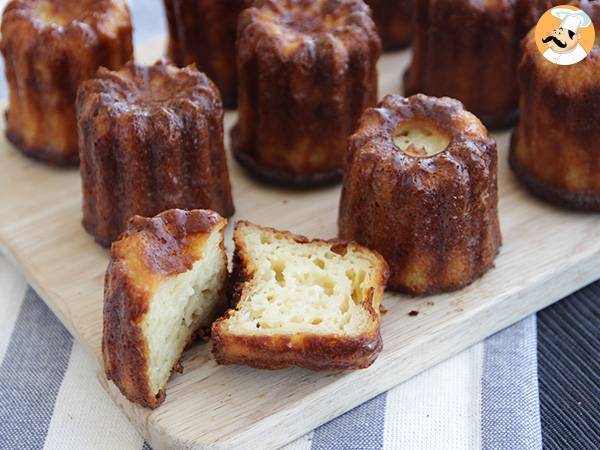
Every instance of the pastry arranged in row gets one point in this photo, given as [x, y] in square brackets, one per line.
[151, 139]
[313, 304]
[307, 70]
[420, 187]
[555, 150]
[470, 51]
[49, 47]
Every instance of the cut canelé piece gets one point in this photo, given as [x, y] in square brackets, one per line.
[163, 286]
[313, 304]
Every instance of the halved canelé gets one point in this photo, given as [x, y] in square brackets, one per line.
[297, 302]
[164, 285]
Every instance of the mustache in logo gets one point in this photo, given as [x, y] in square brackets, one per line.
[558, 42]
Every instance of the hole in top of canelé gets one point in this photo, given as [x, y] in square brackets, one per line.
[420, 138]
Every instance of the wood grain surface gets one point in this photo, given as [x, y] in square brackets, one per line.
[547, 254]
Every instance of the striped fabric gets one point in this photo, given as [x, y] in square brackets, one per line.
[486, 397]
[569, 371]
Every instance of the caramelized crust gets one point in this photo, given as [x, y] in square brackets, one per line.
[307, 69]
[150, 250]
[310, 351]
[469, 50]
[151, 139]
[203, 32]
[555, 150]
[49, 47]
[433, 218]
[394, 21]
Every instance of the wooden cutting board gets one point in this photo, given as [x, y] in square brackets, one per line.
[547, 254]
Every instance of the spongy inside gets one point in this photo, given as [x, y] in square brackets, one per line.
[300, 288]
[420, 138]
[180, 305]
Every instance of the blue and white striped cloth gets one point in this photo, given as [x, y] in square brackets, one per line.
[485, 397]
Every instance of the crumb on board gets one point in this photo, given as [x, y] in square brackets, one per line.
[382, 309]
[413, 313]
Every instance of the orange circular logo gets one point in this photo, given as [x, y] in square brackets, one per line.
[565, 35]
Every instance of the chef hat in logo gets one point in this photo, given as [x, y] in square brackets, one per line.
[571, 20]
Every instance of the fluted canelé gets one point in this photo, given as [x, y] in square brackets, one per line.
[307, 70]
[555, 150]
[420, 187]
[469, 50]
[203, 32]
[151, 139]
[394, 19]
[49, 47]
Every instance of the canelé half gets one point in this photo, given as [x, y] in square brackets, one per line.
[555, 150]
[420, 187]
[469, 50]
[49, 47]
[307, 70]
[164, 285]
[151, 139]
[297, 302]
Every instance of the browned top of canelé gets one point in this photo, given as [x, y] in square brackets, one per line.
[294, 23]
[149, 88]
[163, 245]
[67, 16]
[467, 137]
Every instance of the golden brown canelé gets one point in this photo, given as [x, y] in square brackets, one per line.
[469, 50]
[163, 286]
[394, 21]
[420, 187]
[151, 139]
[555, 150]
[306, 70]
[49, 47]
[203, 32]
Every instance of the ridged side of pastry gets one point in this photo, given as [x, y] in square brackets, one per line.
[297, 302]
[151, 139]
[202, 32]
[394, 21]
[470, 51]
[307, 70]
[555, 150]
[433, 215]
[49, 48]
[164, 284]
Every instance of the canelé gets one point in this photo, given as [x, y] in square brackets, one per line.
[307, 70]
[420, 187]
[49, 47]
[151, 139]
